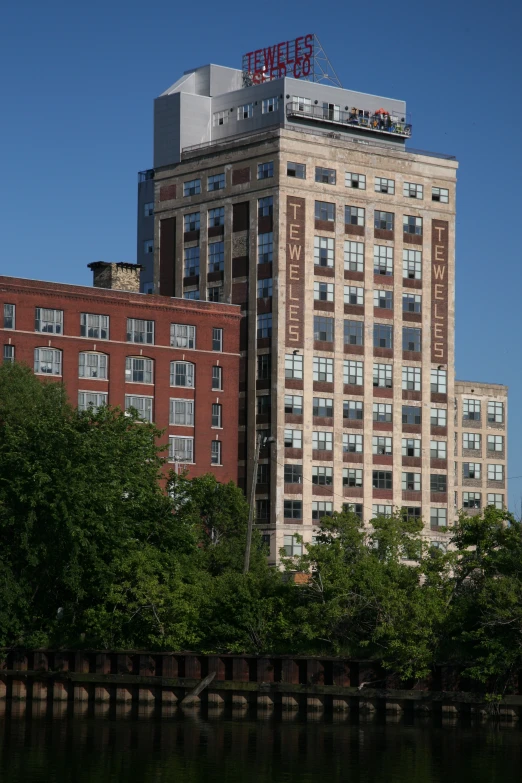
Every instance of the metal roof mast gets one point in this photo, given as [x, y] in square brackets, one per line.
[323, 70]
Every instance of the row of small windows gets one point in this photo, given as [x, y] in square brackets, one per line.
[381, 184]
[356, 216]
[383, 256]
[472, 411]
[215, 182]
[473, 441]
[353, 443]
[245, 111]
[293, 509]
[473, 470]
[353, 477]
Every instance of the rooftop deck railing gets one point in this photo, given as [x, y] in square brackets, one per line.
[388, 124]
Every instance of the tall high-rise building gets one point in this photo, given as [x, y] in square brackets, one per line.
[300, 202]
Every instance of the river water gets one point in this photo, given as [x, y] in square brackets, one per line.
[108, 746]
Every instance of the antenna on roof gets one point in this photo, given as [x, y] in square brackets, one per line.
[323, 71]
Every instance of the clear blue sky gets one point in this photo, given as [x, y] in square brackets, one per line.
[77, 85]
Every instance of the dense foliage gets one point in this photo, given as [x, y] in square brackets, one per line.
[95, 553]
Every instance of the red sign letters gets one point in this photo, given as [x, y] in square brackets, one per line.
[288, 58]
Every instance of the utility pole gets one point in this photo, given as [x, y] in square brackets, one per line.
[260, 441]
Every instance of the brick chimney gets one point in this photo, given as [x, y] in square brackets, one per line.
[119, 277]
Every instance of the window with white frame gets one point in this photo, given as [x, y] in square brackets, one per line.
[438, 517]
[48, 361]
[321, 508]
[181, 413]
[91, 400]
[495, 500]
[217, 378]
[292, 544]
[264, 288]
[412, 225]
[383, 375]
[381, 445]
[143, 405]
[323, 292]
[381, 510]
[412, 190]
[411, 482]
[191, 261]
[439, 417]
[94, 326]
[192, 187]
[353, 256]
[352, 180]
[9, 354]
[382, 412]
[269, 105]
[92, 365]
[325, 176]
[439, 381]
[438, 449]
[245, 112]
[293, 439]
[217, 415]
[138, 369]
[383, 260]
[353, 216]
[354, 333]
[440, 194]
[324, 251]
[471, 410]
[191, 221]
[264, 325]
[322, 476]
[181, 449]
[216, 182]
[353, 410]
[325, 211]
[471, 470]
[495, 412]
[294, 404]
[265, 170]
[216, 217]
[265, 247]
[495, 443]
[352, 373]
[48, 321]
[411, 447]
[353, 295]
[217, 339]
[384, 185]
[411, 378]
[220, 118]
[323, 369]
[495, 472]
[216, 256]
[140, 331]
[352, 444]
[472, 440]
[182, 336]
[301, 104]
[352, 477]
[215, 452]
[411, 303]
[383, 299]
[294, 366]
[412, 264]
[9, 316]
[322, 406]
[182, 374]
[383, 221]
[471, 499]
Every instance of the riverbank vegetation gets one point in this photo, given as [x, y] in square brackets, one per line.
[95, 554]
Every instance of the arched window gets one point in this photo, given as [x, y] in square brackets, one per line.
[182, 374]
[48, 361]
[92, 365]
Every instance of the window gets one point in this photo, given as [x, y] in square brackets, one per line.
[191, 261]
[293, 366]
[412, 225]
[263, 509]
[383, 185]
[411, 482]
[148, 246]
[411, 447]
[383, 220]
[353, 508]
[91, 400]
[182, 336]
[495, 443]
[143, 405]
[323, 441]
[471, 470]
[9, 316]
[472, 440]
[264, 288]
[265, 170]
[495, 412]
[439, 381]
[264, 326]
[293, 474]
[191, 293]
[438, 449]
[355, 180]
[264, 404]
[264, 366]
[297, 170]
[354, 216]
[192, 187]
[440, 194]
[411, 378]
[216, 256]
[352, 477]
[323, 251]
[181, 413]
[382, 336]
[411, 303]
[324, 211]
[324, 292]
[269, 105]
[322, 407]
[383, 260]
[148, 209]
[215, 293]
[352, 409]
[326, 176]
[383, 299]
[438, 517]
[471, 410]
[382, 412]
[495, 500]
[293, 439]
[139, 331]
[138, 370]
[294, 404]
[181, 449]
[265, 245]
[9, 353]
[216, 217]
[380, 510]
[92, 365]
[381, 445]
[216, 420]
[495, 472]
[182, 374]
[95, 326]
[321, 508]
[382, 479]
[411, 338]
[323, 328]
[352, 444]
[411, 414]
[245, 112]
[220, 118]
[216, 182]
[265, 207]
[412, 264]
[293, 509]
[438, 417]
[48, 361]
[215, 452]
[353, 333]
[383, 375]
[352, 373]
[471, 499]
[353, 256]
[353, 295]
[322, 476]
[191, 221]
[49, 321]
[293, 546]
[438, 483]
[412, 512]
[412, 190]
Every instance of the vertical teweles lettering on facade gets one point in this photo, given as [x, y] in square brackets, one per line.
[295, 270]
[439, 291]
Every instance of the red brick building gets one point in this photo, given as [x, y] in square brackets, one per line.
[176, 361]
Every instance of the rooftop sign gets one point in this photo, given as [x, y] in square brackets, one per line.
[299, 58]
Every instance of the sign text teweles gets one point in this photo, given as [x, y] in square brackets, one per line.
[295, 271]
[439, 291]
[288, 58]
